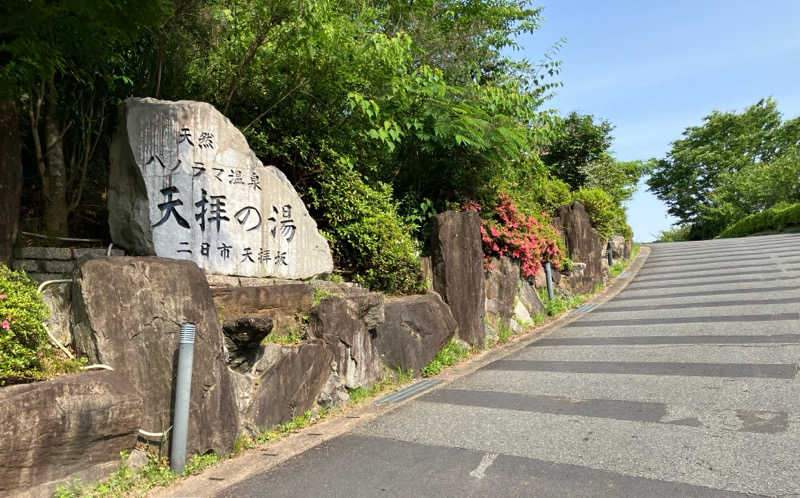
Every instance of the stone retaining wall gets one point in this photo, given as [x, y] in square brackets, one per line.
[53, 263]
[126, 312]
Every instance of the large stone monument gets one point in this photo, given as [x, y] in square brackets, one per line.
[184, 184]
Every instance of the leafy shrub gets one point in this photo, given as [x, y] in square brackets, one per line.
[675, 234]
[540, 193]
[508, 232]
[622, 228]
[22, 336]
[365, 230]
[601, 208]
[774, 219]
[553, 193]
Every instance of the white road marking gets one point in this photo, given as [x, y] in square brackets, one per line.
[486, 461]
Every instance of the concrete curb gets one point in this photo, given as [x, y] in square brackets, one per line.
[266, 457]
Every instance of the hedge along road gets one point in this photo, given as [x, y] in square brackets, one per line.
[684, 384]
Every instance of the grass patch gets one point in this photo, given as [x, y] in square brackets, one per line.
[617, 268]
[249, 441]
[288, 336]
[319, 295]
[560, 302]
[449, 355]
[292, 337]
[620, 266]
[391, 380]
[505, 333]
[124, 481]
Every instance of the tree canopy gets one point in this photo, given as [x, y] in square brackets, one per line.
[578, 143]
[732, 165]
[415, 107]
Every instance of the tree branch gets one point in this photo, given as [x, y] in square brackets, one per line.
[89, 150]
[37, 141]
[257, 118]
[237, 79]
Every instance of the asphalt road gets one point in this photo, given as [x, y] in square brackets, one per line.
[685, 384]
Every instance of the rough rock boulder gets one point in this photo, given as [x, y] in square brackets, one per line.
[243, 338]
[416, 328]
[501, 283]
[618, 247]
[126, 313]
[526, 305]
[70, 427]
[457, 258]
[285, 382]
[348, 325]
[584, 247]
[283, 304]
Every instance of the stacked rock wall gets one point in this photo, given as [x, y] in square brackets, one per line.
[55, 263]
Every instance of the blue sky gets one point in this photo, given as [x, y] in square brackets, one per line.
[654, 68]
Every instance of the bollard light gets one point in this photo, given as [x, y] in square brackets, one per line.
[549, 279]
[183, 388]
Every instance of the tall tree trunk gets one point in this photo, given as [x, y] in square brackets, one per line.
[10, 178]
[56, 209]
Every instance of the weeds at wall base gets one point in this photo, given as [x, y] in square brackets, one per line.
[449, 355]
[392, 380]
[156, 473]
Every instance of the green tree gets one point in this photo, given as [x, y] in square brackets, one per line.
[374, 85]
[59, 58]
[579, 142]
[579, 155]
[617, 178]
[712, 154]
[758, 185]
[417, 106]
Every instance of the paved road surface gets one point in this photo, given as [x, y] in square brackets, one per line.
[683, 385]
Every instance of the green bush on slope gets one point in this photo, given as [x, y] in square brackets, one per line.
[774, 219]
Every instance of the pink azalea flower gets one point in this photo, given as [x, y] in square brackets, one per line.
[6, 325]
[3, 296]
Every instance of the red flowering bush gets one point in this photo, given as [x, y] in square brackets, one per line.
[508, 232]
